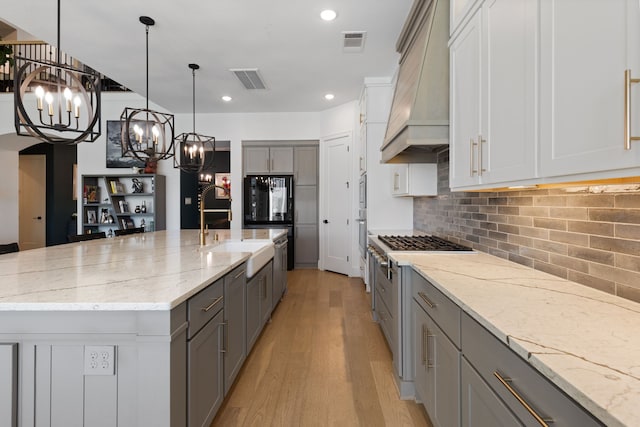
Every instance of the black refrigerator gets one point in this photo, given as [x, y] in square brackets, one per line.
[269, 203]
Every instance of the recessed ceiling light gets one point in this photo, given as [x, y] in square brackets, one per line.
[328, 15]
[226, 98]
[329, 96]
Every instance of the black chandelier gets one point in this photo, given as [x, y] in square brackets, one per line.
[190, 149]
[146, 134]
[72, 97]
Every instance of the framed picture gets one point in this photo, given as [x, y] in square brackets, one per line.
[124, 206]
[91, 217]
[223, 180]
[114, 148]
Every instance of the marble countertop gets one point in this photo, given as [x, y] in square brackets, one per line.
[147, 271]
[585, 341]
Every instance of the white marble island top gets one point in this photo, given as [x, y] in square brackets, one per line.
[585, 341]
[148, 271]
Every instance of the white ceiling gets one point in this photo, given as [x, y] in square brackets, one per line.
[299, 56]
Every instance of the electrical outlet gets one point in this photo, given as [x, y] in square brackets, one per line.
[99, 359]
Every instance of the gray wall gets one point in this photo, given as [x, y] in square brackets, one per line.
[590, 235]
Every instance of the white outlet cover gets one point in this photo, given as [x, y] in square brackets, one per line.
[99, 359]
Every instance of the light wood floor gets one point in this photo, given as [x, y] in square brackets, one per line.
[321, 361]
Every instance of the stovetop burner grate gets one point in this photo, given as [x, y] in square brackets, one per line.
[421, 243]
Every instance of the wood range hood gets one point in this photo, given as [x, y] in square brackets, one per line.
[418, 123]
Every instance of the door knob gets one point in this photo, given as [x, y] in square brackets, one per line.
[325, 221]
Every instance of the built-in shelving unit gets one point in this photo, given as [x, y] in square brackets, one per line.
[112, 202]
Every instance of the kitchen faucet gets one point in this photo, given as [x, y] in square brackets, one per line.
[203, 231]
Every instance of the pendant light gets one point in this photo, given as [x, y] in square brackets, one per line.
[146, 134]
[190, 149]
[66, 106]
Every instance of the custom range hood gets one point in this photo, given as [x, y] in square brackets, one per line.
[419, 118]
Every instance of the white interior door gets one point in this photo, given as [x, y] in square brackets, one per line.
[33, 201]
[335, 224]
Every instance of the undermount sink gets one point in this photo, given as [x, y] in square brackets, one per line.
[261, 252]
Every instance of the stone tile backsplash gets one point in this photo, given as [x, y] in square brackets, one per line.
[590, 235]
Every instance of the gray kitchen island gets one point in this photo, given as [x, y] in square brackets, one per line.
[127, 331]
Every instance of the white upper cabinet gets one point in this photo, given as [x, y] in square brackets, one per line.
[414, 179]
[465, 126]
[493, 90]
[538, 93]
[585, 48]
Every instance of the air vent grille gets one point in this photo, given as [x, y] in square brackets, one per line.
[353, 41]
[250, 78]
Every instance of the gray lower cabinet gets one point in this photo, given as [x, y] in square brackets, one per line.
[279, 271]
[205, 372]
[205, 390]
[9, 384]
[253, 311]
[480, 405]
[436, 369]
[259, 303]
[527, 394]
[306, 247]
[466, 376]
[266, 294]
[234, 325]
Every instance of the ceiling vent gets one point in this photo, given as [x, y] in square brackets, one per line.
[353, 41]
[249, 77]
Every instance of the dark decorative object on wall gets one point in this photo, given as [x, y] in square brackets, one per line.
[114, 148]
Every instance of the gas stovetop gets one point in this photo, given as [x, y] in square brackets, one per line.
[421, 243]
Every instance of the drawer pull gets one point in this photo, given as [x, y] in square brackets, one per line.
[239, 274]
[210, 306]
[424, 344]
[426, 300]
[505, 382]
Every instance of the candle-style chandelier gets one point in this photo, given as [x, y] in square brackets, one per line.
[72, 97]
[146, 134]
[190, 148]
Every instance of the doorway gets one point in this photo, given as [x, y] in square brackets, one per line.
[192, 184]
[32, 205]
[335, 224]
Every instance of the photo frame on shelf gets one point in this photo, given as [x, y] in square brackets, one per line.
[127, 223]
[223, 180]
[124, 206]
[92, 216]
[91, 194]
[114, 148]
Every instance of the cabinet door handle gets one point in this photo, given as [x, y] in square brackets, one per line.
[628, 81]
[239, 274]
[472, 144]
[426, 300]
[426, 340]
[505, 382]
[396, 183]
[480, 142]
[225, 335]
[210, 306]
